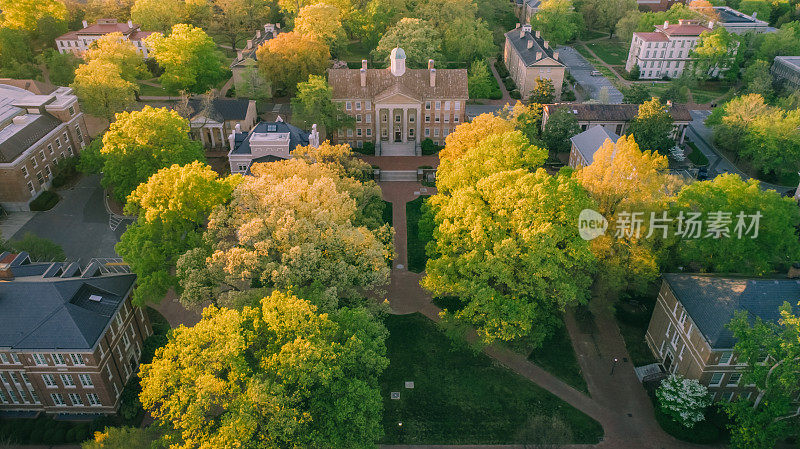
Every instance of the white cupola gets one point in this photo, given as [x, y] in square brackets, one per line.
[398, 61]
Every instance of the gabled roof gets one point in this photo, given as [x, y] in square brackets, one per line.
[652, 36]
[588, 142]
[222, 109]
[711, 301]
[614, 112]
[101, 27]
[42, 311]
[297, 137]
[450, 83]
[519, 42]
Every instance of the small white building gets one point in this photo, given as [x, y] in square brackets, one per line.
[77, 42]
[267, 142]
[665, 51]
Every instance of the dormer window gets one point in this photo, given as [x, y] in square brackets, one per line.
[272, 128]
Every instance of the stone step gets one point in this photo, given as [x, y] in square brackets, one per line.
[398, 175]
[398, 149]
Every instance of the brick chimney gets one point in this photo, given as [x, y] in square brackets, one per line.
[430, 64]
[364, 64]
[666, 24]
[258, 34]
[555, 55]
[433, 77]
[130, 24]
[538, 34]
[85, 24]
[530, 44]
[538, 55]
[363, 77]
[239, 55]
[546, 44]
[249, 43]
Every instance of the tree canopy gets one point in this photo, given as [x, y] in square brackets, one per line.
[140, 143]
[159, 15]
[172, 208]
[560, 126]
[293, 225]
[189, 58]
[313, 105]
[289, 59]
[26, 14]
[102, 89]
[605, 14]
[558, 21]
[653, 126]
[418, 38]
[279, 374]
[321, 21]
[714, 54]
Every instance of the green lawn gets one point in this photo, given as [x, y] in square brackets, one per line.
[588, 35]
[460, 397]
[612, 51]
[705, 92]
[696, 156]
[415, 245]
[146, 90]
[558, 358]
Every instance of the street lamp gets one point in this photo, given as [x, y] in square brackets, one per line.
[614, 365]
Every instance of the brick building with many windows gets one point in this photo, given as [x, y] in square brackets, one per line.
[665, 51]
[69, 337]
[77, 42]
[397, 108]
[688, 332]
[35, 132]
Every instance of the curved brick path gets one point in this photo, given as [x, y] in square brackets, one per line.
[618, 402]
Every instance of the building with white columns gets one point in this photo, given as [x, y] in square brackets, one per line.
[397, 108]
[77, 42]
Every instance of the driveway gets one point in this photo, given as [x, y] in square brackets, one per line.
[702, 136]
[79, 222]
[581, 70]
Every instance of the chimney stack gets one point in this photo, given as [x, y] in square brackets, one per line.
[555, 55]
[538, 33]
[666, 24]
[430, 64]
[364, 64]
[249, 43]
[755, 14]
[711, 24]
[433, 77]
[130, 24]
[538, 55]
[530, 44]
[85, 24]
[239, 55]
[516, 26]
[363, 77]
[258, 34]
[546, 44]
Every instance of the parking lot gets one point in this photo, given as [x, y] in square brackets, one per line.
[582, 70]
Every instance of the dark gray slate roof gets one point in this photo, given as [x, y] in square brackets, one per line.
[14, 145]
[712, 301]
[588, 142]
[222, 109]
[296, 136]
[520, 44]
[48, 313]
[730, 15]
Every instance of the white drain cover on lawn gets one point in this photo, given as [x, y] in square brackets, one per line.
[400, 266]
[410, 384]
[395, 395]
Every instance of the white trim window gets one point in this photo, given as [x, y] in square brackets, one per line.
[58, 399]
[716, 380]
[348, 106]
[86, 380]
[68, 381]
[725, 358]
[58, 359]
[75, 398]
[39, 359]
[733, 380]
[77, 359]
[94, 399]
[3, 359]
[49, 381]
[682, 318]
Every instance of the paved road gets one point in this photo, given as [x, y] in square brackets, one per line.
[581, 70]
[702, 136]
[79, 222]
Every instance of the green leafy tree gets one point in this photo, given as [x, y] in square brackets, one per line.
[416, 37]
[772, 353]
[40, 249]
[293, 225]
[543, 91]
[279, 374]
[102, 89]
[636, 94]
[371, 22]
[122, 438]
[189, 58]
[605, 14]
[159, 15]
[528, 119]
[115, 49]
[25, 14]
[730, 122]
[683, 400]
[290, 58]
[560, 126]
[714, 53]
[758, 79]
[321, 21]
[784, 42]
[481, 83]
[776, 245]
[313, 104]
[172, 208]
[16, 56]
[510, 252]
[558, 21]
[236, 20]
[138, 144]
[60, 66]
[653, 126]
[773, 142]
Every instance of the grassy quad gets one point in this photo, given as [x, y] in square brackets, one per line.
[612, 51]
[416, 246]
[460, 397]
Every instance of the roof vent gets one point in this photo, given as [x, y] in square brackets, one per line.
[20, 119]
[95, 298]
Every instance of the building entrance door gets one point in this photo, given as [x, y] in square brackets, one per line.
[398, 136]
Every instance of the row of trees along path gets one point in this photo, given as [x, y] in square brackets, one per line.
[618, 402]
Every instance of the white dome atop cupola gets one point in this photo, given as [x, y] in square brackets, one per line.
[398, 61]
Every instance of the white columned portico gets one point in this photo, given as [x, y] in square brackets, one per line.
[213, 141]
[404, 120]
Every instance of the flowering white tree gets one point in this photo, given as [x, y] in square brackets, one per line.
[684, 400]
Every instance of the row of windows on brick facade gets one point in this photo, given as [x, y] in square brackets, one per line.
[22, 396]
[436, 105]
[367, 132]
[44, 176]
[437, 118]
